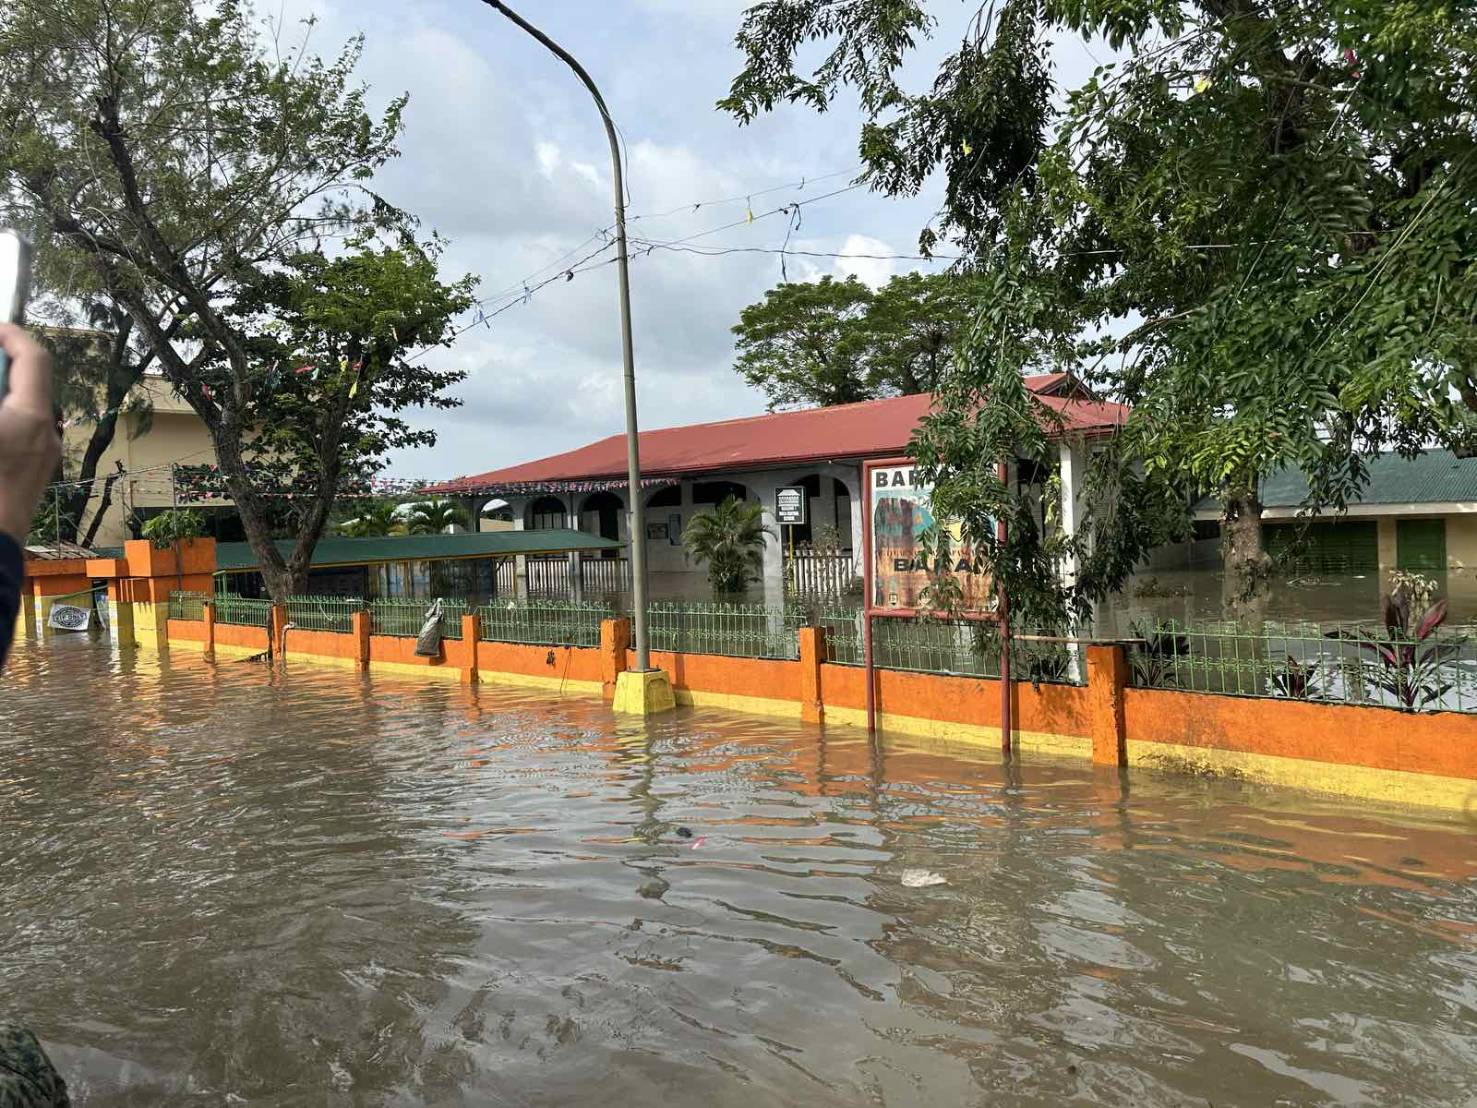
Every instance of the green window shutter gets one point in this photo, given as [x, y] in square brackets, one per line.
[1420, 544]
[1345, 546]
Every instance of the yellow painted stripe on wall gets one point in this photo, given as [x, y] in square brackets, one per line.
[1422, 790]
[749, 705]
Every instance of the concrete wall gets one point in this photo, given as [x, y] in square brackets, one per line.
[146, 446]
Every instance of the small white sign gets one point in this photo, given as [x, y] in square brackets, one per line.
[789, 505]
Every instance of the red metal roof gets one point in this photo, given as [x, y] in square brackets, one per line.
[870, 429]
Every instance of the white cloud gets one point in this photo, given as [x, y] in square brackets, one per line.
[872, 271]
[505, 154]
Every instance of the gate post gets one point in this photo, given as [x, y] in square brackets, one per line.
[1107, 675]
[615, 640]
[471, 638]
[812, 654]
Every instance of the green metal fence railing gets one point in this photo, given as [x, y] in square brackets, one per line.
[737, 630]
[323, 613]
[187, 605]
[407, 617]
[842, 625]
[240, 610]
[543, 622]
[1342, 664]
[929, 644]
[967, 648]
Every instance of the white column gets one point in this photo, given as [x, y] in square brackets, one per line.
[1073, 473]
[858, 507]
[772, 574]
[518, 505]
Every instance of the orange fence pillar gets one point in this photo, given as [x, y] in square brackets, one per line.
[812, 654]
[207, 614]
[28, 608]
[277, 631]
[471, 634]
[1107, 674]
[359, 628]
[615, 640]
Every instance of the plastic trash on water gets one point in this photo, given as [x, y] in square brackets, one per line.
[921, 879]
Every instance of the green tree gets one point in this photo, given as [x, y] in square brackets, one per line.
[799, 344]
[435, 517]
[836, 342]
[1254, 224]
[198, 170]
[730, 540]
[373, 519]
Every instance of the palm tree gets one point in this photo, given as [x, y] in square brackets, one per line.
[435, 517]
[374, 520]
[730, 539]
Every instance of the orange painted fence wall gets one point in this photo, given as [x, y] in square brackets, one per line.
[1103, 718]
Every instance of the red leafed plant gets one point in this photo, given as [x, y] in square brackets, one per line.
[1408, 655]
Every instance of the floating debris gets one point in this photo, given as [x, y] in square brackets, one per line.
[921, 879]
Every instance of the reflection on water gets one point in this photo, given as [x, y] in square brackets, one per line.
[233, 886]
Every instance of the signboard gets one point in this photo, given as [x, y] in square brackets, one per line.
[68, 617]
[789, 506]
[899, 516]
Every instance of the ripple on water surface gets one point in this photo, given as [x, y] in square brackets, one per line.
[227, 885]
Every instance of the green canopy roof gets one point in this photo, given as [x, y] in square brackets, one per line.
[236, 556]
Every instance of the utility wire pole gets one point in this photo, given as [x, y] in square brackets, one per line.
[633, 450]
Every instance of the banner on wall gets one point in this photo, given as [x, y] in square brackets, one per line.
[899, 515]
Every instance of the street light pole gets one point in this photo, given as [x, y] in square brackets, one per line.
[633, 450]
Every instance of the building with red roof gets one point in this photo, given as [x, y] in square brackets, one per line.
[690, 468]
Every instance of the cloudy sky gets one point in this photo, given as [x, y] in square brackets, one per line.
[505, 156]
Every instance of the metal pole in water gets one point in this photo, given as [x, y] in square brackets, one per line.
[633, 451]
[1002, 471]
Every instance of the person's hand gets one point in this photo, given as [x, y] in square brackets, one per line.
[29, 446]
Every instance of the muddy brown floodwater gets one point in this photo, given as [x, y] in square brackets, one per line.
[229, 886]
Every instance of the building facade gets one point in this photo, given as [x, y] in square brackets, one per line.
[690, 469]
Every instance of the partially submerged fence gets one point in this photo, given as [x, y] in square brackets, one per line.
[736, 630]
[543, 622]
[1423, 669]
[243, 611]
[405, 618]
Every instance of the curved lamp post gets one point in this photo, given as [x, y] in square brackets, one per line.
[643, 690]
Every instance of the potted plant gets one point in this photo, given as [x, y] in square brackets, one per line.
[174, 542]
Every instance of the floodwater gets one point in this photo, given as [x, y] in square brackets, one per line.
[229, 886]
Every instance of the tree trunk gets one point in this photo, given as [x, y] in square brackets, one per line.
[1246, 567]
[103, 505]
[121, 378]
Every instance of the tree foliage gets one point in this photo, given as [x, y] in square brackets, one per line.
[730, 541]
[1255, 224]
[435, 517]
[201, 172]
[838, 342]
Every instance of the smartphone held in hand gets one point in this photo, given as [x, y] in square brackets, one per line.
[15, 280]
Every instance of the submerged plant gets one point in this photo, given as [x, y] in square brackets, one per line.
[1298, 680]
[1154, 655]
[1408, 657]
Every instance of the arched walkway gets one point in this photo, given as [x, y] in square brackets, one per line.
[547, 513]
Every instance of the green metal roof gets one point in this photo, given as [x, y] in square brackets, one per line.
[231, 556]
[1433, 477]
